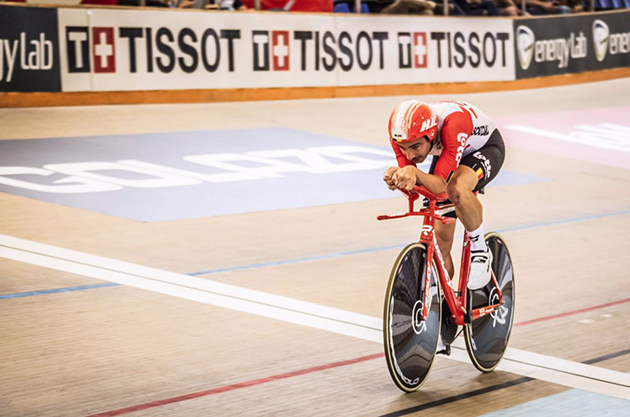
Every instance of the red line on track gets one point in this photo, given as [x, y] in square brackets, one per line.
[234, 386]
[571, 313]
[286, 375]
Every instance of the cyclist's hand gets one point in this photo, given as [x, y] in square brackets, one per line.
[388, 178]
[405, 178]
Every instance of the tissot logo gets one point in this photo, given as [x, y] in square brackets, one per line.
[525, 40]
[280, 51]
[601, 38]
[78, 45]
[103, 50]
[148, 50]
[260, 41]
[412, 50]
[458, 49]
[420, 50]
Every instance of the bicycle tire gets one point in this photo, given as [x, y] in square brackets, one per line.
[410, 344]
[487, 337]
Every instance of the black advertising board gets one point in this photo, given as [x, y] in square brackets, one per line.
[29, 50]
[570, 44]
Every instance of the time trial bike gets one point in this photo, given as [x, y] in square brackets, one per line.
[422, 305]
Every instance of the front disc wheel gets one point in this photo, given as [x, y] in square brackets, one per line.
[410, 342]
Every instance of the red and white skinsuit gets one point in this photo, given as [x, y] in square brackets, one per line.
[462, 130]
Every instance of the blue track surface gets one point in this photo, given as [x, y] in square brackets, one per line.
[201, 174]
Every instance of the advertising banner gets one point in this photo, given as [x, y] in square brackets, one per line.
[572, 44]
[70, 50]
[412, 50]
[146, 50]
[29, 57]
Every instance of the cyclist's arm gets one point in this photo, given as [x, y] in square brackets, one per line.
[403, 163]
[433, 183]
[408, 176]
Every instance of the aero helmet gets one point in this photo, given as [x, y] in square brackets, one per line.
[412, 120]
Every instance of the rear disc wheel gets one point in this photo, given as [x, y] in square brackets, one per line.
[488, 336]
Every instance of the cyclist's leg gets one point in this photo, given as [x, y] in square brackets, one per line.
[444, 234]
[475, 172]
[460, 191]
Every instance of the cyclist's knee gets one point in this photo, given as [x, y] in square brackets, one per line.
[458, 187]
[454, 191]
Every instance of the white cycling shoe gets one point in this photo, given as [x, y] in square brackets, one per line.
[480, 269]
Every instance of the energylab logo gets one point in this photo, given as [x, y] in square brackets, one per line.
[271, 51]
[29, 50]
[25, 54]
[525, 41]
[601, 38]
[555, 50]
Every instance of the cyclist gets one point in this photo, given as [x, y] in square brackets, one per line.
[468, 152]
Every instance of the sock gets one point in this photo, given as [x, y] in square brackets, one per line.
[476, 239]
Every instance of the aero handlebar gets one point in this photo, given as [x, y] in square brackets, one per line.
[412, 196]
[422, 190]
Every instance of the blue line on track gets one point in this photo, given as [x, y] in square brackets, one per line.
[309, 258]
[384, 248]
[294, 261]
[556, 222]
[58, 290]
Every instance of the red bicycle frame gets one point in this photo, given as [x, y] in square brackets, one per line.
[457, 300]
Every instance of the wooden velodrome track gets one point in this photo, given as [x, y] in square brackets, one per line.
[121, 350]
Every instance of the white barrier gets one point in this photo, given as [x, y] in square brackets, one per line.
[122, 50]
